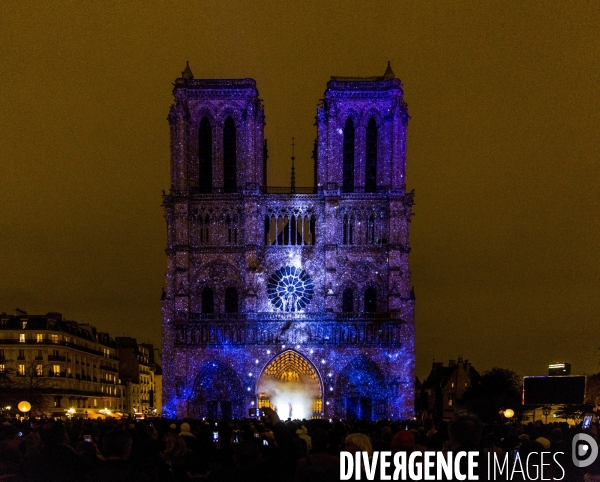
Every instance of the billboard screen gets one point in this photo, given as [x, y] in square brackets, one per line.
[560, 390]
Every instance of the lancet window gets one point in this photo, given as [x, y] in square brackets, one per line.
[371, 157]
[231, 300]
[370, 300]
[208, 301]
[215, 227]
[229, 156]
[364, 226]
[205, 156]
[348, 300]
[348, 157]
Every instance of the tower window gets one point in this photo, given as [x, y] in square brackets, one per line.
[208, 301]
[370, 300]
[231, 300]
[348, 160]
[205, 156]
[348, 300]
[371, 157]
[229, 156]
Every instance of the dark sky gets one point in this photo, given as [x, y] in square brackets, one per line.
[503, 149]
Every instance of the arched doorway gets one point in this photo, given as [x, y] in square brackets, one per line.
[218, 392]
[291, 386]
[362, 391]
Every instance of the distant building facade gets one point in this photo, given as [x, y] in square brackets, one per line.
[137, 371]
[57, 364]
[559, 369]
[445, 386]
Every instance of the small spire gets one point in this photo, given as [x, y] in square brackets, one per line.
[293, 180]
[187, 73]
[389, 73]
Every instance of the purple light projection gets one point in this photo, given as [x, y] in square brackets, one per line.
[300, 302]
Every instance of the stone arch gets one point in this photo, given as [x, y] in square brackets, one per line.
[230, 110]
[361, 389]
[290, 382]
[217, 392]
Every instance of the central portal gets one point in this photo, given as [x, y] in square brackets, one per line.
[290, 385]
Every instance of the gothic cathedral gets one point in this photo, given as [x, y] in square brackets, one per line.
[298, 299]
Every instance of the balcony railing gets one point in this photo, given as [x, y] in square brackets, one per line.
[57, 358]
[287, 316]
[15, 341]
[373, 332]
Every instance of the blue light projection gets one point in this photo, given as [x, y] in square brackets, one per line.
[290, 289]
[291, 255]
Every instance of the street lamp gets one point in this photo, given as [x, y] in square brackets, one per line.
[546, 409]
[509, 413]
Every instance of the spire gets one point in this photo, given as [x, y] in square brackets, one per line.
[293, 180]
[389, 73]
[187, 73]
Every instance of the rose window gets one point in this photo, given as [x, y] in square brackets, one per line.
[290, 289]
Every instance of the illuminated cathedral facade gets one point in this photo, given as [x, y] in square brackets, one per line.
[298, 299]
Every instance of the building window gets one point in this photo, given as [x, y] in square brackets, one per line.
[229, 156]
[95, 403]
[2, 368]
[348, 157]
[370, 300]
[24, 324]
[40, 338]
[348, 300]
[56, 370]
[205, 156]
[208, 301]
[22, 338]
[450, 400]
[39, 370]
[21, 355]
[2, 354]
[231, 300]
[371, 157]
[54, 338]
[21, 370]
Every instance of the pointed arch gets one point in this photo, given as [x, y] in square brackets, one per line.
[218, 391]
[348, 157]
[363, 389]
[290, 373]
[371, 157]
[229, 156]
[205, 156]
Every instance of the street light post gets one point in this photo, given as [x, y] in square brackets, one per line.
[546, 409]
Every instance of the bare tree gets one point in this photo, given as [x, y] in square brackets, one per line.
[31, 381]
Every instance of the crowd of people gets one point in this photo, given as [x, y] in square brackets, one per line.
[160, 450]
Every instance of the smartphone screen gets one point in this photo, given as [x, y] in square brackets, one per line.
[215, 436]
[587, 421]
[87, 438]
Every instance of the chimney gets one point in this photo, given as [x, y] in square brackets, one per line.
[451, 363]
[460, 360]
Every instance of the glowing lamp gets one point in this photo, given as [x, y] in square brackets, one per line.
[509, 413]
[24, 406]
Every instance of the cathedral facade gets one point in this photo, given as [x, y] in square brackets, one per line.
[298, 299]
